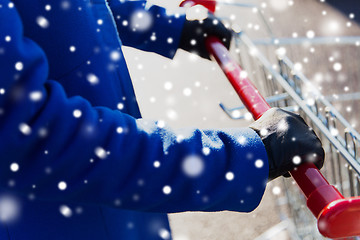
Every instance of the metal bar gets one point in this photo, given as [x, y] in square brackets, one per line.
[355, 40]
[283, 83]
[320, 97]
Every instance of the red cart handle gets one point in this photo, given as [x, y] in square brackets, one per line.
[337, 217]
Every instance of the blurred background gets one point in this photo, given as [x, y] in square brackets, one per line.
[321, 40]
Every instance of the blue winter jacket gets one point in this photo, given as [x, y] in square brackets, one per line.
[74, 152]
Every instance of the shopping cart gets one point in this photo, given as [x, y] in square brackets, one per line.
[287, 87]
[340, 139]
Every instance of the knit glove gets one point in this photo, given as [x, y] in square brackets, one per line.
[288, 141]
[195, 32]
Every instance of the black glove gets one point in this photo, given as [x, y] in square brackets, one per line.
[288, 141]
[195, 32]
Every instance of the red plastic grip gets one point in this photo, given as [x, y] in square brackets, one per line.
[209, 4]
[247, 92]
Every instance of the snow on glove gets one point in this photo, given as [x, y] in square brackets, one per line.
[195, 32]
[288, 141]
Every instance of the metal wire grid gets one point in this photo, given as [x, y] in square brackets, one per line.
[286, 88]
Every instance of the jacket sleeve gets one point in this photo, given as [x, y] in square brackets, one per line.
[63, 149]
[148, 29]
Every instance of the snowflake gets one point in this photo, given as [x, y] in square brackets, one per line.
[62, 185]
[92, 79]
[172, 114]
[72, 48]
[187, 92]
[229, 176]
[168, 85]
[43, 132]
[164, 234]
[206, 151]
[263, 132]
[19, 66]
[259, 163]
[296, 160]
[25, 129]
[42, 22]
[196, 12]
[157, 164]
[35, 96]
[77, 113]
[119, 130]
[242, 140]
[193, 166]
[160, 124]
[276, 190]
[167, 190]
[65, 211]
[9, 208]
[337, 67]
[100, 152]
[65, 5]
[141, 20]
[115, 56]
[153, 37]
[14, 167]
[120, 106]
[248, 116]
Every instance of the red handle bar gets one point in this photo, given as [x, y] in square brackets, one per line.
[337, 217]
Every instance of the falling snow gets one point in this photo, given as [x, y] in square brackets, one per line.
[35, 96]
[141, 20]
[25, 129]
[337, 67]
[10, 208]
[263, 132]
[167, 190]
[19, 66]
[187, 92]
[120, 106]
[276, 190]
[62, 185]
[42, 22]
[196, 12]
[65, 211]
[14, 167]
[229, 176]
[77, 113]
[259, 163]
[92, 79]
[193, 166]
[206, 151]
[119, 130]
[296, 160]
[115, 55]
[72, 48]
[157, 164]
[100, 152]
[164, 234]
